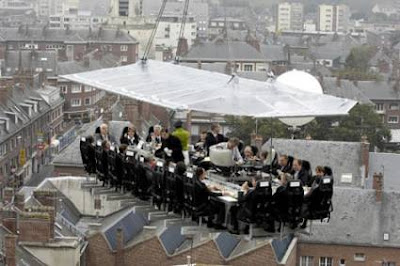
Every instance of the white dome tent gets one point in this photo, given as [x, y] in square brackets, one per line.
[301, 81]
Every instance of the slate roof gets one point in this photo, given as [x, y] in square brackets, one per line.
[273, 52]
[72, 67]
[171, 239]
[358, 219]
[331, 51]
[280, 246]
[13, 104]
[68, 156]
[342, 157]
[24, 34]
[347, 89]
[226, 243]
[221, 50]
[131, 225]
[26, 60]
[379, 90]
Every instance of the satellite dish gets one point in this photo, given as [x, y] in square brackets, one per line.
[304, 82]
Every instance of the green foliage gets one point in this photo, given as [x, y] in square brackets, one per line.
[243, 127]
[359, 57]
[362, 120]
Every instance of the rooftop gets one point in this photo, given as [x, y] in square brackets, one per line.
[343, 157]
[66, 35]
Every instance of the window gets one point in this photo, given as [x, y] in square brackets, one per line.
[3, 150]
[124, 58]
[76, 89]
[342, 262]
[88, 89]
[248, 67]
[75, 102]
[306, 261]
[359, 257]
[388, 263]
[393, 119]
[87, 101]
[325, 261]
[379, 107]
[124, 48]
[394, 106]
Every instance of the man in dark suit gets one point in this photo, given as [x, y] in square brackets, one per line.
[283, 164]
[171, 147]
[299, 172]
[214, 137]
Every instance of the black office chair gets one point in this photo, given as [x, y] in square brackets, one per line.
[295, 196]
[88, 154]
[157, 184]
[319, 203]
[101, 163]
[188, 197]
[170, 188]
[142, 177]
[129, 171]
[257, 207]
[112, 167]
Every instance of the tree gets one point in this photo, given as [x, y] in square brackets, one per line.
[362, 120]
[243, 127]
[359, 58]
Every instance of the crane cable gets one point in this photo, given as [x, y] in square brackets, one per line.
[182, 31]
[153, 33]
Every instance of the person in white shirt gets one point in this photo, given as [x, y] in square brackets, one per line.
[232, 144]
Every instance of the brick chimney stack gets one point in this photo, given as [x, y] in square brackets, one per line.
[20, 201]
[119, 258]
[46, 197]
[365, 154]
[377, 185]
[10, 247]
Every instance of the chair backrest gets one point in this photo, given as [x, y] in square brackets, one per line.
[83, 146]
[111, 157]
[321, 199]
[295, 194]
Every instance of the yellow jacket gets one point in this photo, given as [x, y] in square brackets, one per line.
[184, 136]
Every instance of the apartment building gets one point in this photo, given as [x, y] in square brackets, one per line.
[290, 16]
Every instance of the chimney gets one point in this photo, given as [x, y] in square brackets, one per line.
[86, 61]
[119, 258]
[365, 154]
[377, 185]
[46, 197]
[10, 245]
[228, 68]
[253, 41]
[8, 194]
[183, 47]
[20, 201]
[338, 81]
[199, 64]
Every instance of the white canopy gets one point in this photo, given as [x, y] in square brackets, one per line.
[183, 88]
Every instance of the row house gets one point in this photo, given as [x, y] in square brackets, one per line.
[70, 44]
[28, 120]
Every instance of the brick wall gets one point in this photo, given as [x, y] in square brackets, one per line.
[151, 252]
[46, 197]
[35, 230]
[374, 255]
[98, 252]
[10, 243]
